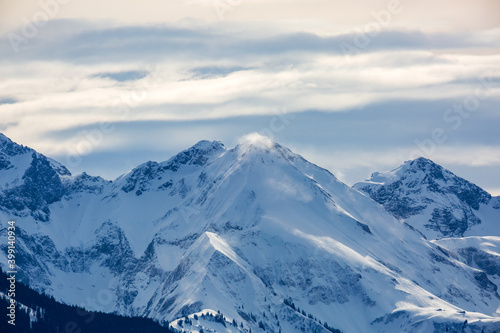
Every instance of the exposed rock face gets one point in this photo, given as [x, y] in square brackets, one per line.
[432, 199]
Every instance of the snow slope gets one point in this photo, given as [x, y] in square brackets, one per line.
[256, 232]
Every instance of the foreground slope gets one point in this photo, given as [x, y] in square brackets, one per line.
[270, 240]
[40, 313]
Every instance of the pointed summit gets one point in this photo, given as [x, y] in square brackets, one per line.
[419, 168]
[256, 141]
[150, 175]
[207, 146]
[425, 165]
[421, 163]
[197, 155]
[255, 144]
[429, 197]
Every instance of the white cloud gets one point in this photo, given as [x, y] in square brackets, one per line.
[255, 140]
[259, 66]
[475, 156]
[61, 95]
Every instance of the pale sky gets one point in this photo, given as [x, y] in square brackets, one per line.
[355, 87]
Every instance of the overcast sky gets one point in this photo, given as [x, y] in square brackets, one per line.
[354, 87]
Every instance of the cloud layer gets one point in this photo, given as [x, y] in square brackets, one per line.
[355, 98]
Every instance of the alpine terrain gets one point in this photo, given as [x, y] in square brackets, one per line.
[257, 239]
[434, 200]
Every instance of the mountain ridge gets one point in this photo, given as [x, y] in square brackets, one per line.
[241, 230]
[433, 199]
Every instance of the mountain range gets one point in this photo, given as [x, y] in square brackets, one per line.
[256, 238]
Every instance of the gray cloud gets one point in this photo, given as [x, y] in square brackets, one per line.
[215, 71]
[7, 100]
[123, 76]
[143, 43]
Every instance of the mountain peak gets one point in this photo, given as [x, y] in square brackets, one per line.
[206, 145]
[419, 162]
[417, 169]
[426, 166]
[431, 198]
[199, 154]
[256, 141]
[255, 144]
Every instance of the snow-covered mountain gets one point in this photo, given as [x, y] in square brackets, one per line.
[434, 200]
[254, 236]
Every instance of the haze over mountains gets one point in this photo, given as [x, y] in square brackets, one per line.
[256, 232]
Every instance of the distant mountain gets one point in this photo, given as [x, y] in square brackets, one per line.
[434, 200]
[232, 240]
